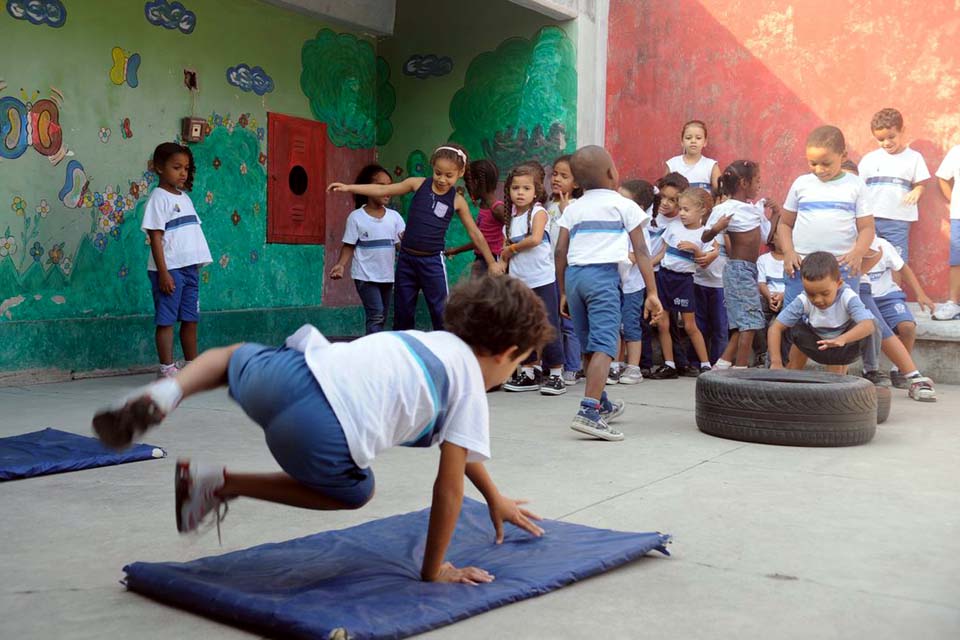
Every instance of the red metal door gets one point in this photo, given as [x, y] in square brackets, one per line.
[296, 180]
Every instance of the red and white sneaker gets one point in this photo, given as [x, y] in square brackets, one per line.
[196, 488]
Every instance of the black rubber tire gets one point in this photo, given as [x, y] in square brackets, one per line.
[883, 404]
[784, 407]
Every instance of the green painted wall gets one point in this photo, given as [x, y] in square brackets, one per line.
[73, 287]
[519, 79]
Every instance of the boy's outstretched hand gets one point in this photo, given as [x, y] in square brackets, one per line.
[467, 575]
[505, 509]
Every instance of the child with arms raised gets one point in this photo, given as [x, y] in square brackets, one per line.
[595, 236]
[324, 429]
[420, 265]
[370, 240]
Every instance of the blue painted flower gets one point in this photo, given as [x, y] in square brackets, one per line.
[123, 272]
[36, 251]
[254, 256]
[100, 242]
[217, 119]
[261, 133]
[115, 233]
[98, 199]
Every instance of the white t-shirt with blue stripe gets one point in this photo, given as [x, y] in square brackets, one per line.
[599, 224]
[676, 259]
[184, 244]
[827, 213]
[770, 273]
[829, 322]
[534, 266]
[889, 177]
[698, 175]
[376, 241]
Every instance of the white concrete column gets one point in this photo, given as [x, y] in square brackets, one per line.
[592, 23]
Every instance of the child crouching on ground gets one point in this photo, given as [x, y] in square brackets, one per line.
[419, 390]
[827, 321]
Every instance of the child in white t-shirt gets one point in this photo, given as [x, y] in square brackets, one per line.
[178, 249]
[894, 175]
[700, 171]
[633, 292]
[327, 410]
[370, 242]
[528, 257]
[948, 175]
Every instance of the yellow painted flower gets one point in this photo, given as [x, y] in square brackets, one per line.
[19, 205]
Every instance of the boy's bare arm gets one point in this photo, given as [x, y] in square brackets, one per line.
[774, 339]
[346, 254]
[379, 190]
[164, 279]
[785, 232]
[946, 188]
[911, 279]
[859, 331]
[502, 509]
[560, 258]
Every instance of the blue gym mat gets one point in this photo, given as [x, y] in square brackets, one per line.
[53, 451]
[366, 579]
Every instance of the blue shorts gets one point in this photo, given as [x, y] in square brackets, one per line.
[741, 295]
[593, 298]
[866, 297]
[274, 386]
[676, 291]
[897, 233]
[893, 307]
[183, 305]
[631, 313]
[955, 243]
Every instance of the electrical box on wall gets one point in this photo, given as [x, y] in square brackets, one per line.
[193, 129]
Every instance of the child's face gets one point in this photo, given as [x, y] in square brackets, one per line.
[561, 180]
[522, 191]
[669, 202]
[890, 140]
[824, 163]
[691, 213]
[174, 171]
[694, 140]
[753, 187]
[445, 175]
[384, 179]
[823, 292]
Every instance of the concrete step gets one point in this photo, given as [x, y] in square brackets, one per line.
[937, 349]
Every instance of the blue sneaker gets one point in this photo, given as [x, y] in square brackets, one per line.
[589, 421]
[611, 409]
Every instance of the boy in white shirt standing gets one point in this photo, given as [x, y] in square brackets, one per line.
[596, 232]
[894, 175]
[328, 409]
[948, 175]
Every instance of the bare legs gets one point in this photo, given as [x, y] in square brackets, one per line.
[596, 365]
[279, 488]
[188, 342]
[164, 340]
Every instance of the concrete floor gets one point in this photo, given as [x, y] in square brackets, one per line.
[770, 542]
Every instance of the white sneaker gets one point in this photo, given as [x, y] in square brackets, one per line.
[196, 487]
[118, 424]
[921, 389]
[949, 310]
[570, 378]
[168, 371]
[631, 375]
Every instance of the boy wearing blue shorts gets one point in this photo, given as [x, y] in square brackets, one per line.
[326, 413]
[596, 232]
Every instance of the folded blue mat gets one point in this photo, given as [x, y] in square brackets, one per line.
[53, 451]
[366, 579]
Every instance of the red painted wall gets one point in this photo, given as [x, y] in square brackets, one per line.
[763, 73]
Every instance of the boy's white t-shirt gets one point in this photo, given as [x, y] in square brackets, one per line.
[631, 280]
[376, 241]
[676, 259]
[950, 170]
[880, 275]
[698, 175]
[889, 177]
[827, 213]
[770, 273]
[599, 223]
[829, 322]
[400, 401]
[534, 266]
[184, 244]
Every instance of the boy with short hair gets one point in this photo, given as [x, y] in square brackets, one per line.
[827, 321]
[596, 232]
[894, 175]
[327, 413]
[948, 175]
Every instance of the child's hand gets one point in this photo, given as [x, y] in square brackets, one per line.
[722, 223]
[563, 201]
[508, 510]
[507, 253]
[467, 575]
[791, 263]
[832, 343]
[496, 269]
[336, 272]
[564, 310]
[706, 259]
[925, 302]
[912, 197]
[339, 186]
[770, 208]
[686, 245]
[776, 301]
[852, 260]
[448, 253]
[652, 309]
[166, 283]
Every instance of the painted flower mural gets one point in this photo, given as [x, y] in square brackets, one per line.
[8, 246]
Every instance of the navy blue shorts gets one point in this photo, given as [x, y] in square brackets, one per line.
[631, 313]
[955, 243]
[676, 291]
[593, 299]
[897, 233]
[894, 310]
[183, 305]
[275, 387]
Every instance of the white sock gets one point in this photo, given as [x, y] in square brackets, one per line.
[736, 367]
[528, 371]
[704, 365]
[168, 367]
[913, 374]
[670, 363]
[556, 371]
[894, 369]
[724, 364]
[166, 393]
